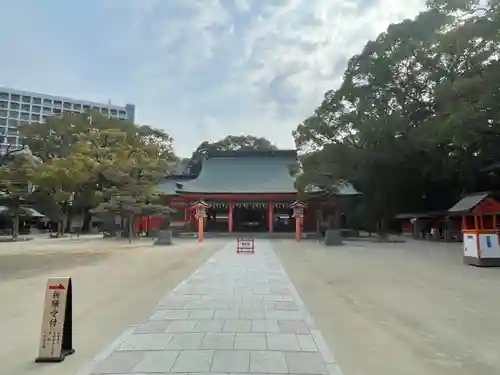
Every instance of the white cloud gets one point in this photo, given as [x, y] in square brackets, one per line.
[242, 5]
[297, 49]
[277, 62]
[207, 68]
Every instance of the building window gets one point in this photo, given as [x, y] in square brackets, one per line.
[36, 109]
[12, 140]
[67, 105]
[77, 107]
[25, 107]
[123, 114]
[15, 98]
[114, 112]
[3, 113]
[105, 111]
[14, 106]
[14, 114]
[4, 95]
[25, 116]
[37, 101]
[2, 140]
[3, 121]
[57, 103]
[47, 110]
[35, 117]
[13, 123]
[47, 102]
[86, 107]
[26, 99]
[3, 105]
[12, 131]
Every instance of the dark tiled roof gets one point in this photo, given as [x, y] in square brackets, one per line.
[247, 172]
[468, 202]
[420, 215]
[171, 184]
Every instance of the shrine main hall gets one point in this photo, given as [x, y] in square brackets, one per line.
[242, 191]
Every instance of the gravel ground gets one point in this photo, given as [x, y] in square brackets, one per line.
[114, 285]
[399, 309]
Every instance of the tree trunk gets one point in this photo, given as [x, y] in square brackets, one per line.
[15, 225]
[86, 220]
[68, 222]
[130, 228]
[123, 226]
[60, 227]
[382, 230]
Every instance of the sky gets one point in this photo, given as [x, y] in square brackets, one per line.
[199, 69]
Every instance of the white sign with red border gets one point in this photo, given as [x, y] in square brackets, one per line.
[245, 245]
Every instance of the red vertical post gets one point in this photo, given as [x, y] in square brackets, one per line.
[187, 214]
[230, 217]
[270, 218]
[200, 228]
[297, 228]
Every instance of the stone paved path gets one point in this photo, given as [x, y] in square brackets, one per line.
[235, 314]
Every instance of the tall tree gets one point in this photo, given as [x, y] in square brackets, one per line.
[123, 173]
[417, 113]
[229, 143]
[61, 137]
[16, 185]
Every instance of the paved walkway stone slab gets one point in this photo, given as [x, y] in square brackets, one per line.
[237, 314]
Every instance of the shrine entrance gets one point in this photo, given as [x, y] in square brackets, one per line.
[250, 218]
[217, 218]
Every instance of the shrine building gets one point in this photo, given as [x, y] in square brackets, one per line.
[242, 191]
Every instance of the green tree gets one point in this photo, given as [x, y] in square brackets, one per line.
[58, 180]
[58, 137]
[16, 185]
[123, 173]
[416, 115]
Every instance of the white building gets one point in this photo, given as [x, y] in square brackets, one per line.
[17, 106]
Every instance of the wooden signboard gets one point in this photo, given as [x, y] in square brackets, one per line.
[56, 336]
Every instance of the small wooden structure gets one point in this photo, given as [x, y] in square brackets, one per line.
[200, 210]
[298, 212]
[481, 235]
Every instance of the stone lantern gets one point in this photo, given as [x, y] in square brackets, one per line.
[298, 213]
[200, 212]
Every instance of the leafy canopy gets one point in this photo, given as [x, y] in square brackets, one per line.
[417, 114]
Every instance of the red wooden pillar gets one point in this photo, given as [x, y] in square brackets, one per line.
[270, 218]
[187, 214]
[230, 216]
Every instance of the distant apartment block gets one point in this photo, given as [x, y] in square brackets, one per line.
[18, 106]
